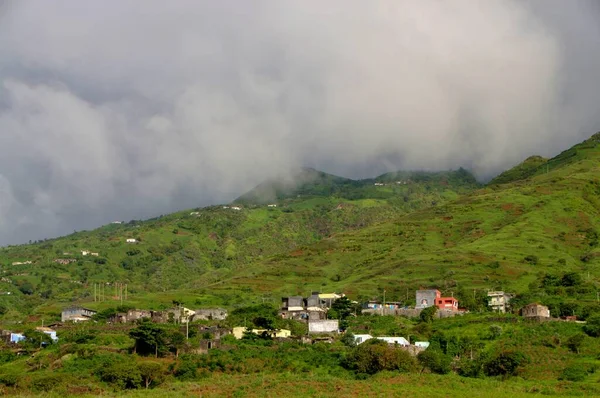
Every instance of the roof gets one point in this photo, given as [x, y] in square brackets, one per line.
[78, 307]
[329, 295]
[45, 329]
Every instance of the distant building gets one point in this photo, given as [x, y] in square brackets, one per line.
[394, 340]
[499, 301]
[361, 338]
[323, 326]
[76, 314]
[49, 332]
[131, 240]
[427, 298]
[292, 303]
[16, 337]
[85, 252]
[422, 344]
[239, 331]
[210, 314]
[535, 310]
[272, 205]
[447, 303]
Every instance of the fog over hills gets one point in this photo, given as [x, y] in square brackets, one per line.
[130, 109]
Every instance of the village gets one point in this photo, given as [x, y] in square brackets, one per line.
[313, 311]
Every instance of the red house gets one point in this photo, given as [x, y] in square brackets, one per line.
[447, 303]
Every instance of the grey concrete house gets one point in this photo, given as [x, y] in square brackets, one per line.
[427, 298]
[76, 314]
[210, 314]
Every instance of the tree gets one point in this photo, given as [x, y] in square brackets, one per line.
[375, 355]
[177, 341]
[506, 363]
[428, 314]
[571, 279]
[121, 374]
[148, 337]
[36, 339]
[435, 361]
[592, 327]
[152, 373]
[574, 342]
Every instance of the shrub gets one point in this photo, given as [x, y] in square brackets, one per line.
[428, 314]
[435, 361]
[153, 373]
[574, 373]
[122, 375]
[532, 259]
[574, 342]
[375, 355]
[505, 363]
[186, 370]
[592, 327]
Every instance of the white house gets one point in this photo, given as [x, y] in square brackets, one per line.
[236, 208]
[95, 254]
[85, 252]
[272, 205]
[422, 344]
[131, 240]
[361, 338]
[116, 222]
[395, 340]
[194, 213]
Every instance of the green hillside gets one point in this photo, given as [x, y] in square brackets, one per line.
[196, 249]
[534, 232]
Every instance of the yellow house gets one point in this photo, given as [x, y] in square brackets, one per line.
[238, 332]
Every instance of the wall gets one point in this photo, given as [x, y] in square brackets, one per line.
[323, 326]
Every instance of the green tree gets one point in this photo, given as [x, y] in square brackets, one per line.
[121, 374]
[36, 339]
[592, 326]
[575, 342]
[435, 361]
[375, 355]
[506, 363]
[427, 315]
[152, 373]
[177, 341]
[148, 338]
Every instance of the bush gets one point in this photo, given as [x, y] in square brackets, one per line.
[186, 370]
[435, 361]
[375, 355]
[532, 259]
[574, 373]
[428, 314]
[122, 375]
[592, 327]
[505, 363]
[574, 342]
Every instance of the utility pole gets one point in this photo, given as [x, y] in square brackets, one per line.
[383, 307]
[94, 291]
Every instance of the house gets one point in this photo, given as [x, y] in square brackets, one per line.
[238, 332]
[49, 332]
[447, 303]
[361, 338]
[377, 305]
[16, 337]
[194, 213]
[236, 208]
[95, 254]
[22, 262]
[395, 340]
[292, 303]
[427, 298]
[422, 344]
[323, 326]
[117, 222]
[76, 314]
[272, 205]
[65, 261]
[85, 252]
[210, 313]
[499, 301]
[329, 298]
[535, 310]
[131, 240]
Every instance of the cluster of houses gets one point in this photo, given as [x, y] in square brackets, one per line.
[9, 337]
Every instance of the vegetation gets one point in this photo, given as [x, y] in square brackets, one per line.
[533, 231]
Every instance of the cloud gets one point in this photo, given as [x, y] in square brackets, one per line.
[129, 109]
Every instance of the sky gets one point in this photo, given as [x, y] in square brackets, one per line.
[128, 109]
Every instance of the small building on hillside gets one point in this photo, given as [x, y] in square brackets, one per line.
[447, 303]
[238, 332]
[427, 298]
[16, 337]
[394, 340]
[49, 332]
[210, 314]
[292, 303]
[131, 240]
[361, 338]
[329, 298]
[76, 314]
[323, 326]
[535, 310]
[499, 301]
